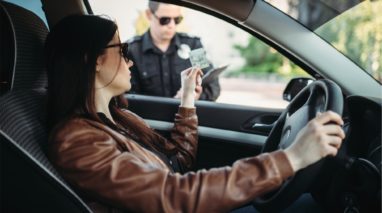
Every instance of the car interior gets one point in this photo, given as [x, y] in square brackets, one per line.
[227, 132]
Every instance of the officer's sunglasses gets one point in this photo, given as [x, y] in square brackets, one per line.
[124, 49]
[166, 20]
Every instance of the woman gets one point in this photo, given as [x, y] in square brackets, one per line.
[112, 157]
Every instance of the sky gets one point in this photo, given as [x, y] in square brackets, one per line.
[217, 36]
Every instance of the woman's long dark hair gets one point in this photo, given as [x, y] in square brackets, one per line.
[72, 48]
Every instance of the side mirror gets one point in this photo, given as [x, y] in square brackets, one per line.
[295, 86]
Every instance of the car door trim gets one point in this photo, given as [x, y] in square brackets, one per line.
[208, 132]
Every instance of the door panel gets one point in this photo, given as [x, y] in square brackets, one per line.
[226, 132]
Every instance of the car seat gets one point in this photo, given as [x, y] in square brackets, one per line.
[29, 183]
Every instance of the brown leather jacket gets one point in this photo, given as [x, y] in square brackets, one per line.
[111, 168]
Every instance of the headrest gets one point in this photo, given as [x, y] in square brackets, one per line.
[23, 39]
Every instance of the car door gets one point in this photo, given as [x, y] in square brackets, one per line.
[227, 132]
[238, 123]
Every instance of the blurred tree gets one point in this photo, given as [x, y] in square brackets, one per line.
[141, 23]
[258, 57]
[358, 34]
[263, 59]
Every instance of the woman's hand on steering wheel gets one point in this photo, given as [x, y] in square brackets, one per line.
[321, 137]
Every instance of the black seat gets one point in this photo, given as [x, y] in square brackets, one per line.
[29, 183]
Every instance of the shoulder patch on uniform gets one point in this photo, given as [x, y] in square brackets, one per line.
[134, 39]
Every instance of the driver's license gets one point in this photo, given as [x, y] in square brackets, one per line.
[198, 58]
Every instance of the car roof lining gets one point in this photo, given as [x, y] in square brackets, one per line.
[242, 8]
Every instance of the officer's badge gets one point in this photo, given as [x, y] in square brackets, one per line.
[184, 51]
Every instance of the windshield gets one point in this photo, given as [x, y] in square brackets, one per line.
[353, 27]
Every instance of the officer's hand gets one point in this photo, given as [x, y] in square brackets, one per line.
[198, 91]
[198, 88]
[178, 94]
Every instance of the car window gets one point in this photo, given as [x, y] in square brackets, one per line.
[33, 5]
[257, 74]
[352, 27]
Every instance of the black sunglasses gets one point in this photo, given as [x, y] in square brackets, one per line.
[124, 49]
[166, 20]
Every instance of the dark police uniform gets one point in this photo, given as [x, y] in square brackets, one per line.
[157, 73]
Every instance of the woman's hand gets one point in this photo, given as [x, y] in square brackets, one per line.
[321, 137]
[191, 86]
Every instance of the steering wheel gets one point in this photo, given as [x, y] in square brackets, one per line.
[319, 96]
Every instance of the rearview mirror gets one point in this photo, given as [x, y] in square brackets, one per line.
[295, 86]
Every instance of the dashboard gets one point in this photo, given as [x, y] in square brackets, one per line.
[351, 181]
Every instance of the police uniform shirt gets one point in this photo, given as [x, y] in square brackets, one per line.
[157, 73]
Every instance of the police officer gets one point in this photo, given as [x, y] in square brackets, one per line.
[161, 53]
